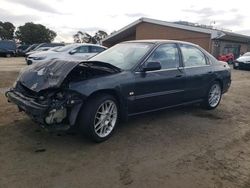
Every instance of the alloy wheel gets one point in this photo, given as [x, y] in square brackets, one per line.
[214, 95]
[105, 118]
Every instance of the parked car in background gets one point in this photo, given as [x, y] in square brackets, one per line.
[128, 79]
[41, 49]
[30, 48]
[76, 51]
[229, 58]
[243, 62]
[7, 48]
[21, 48]
[44, 47]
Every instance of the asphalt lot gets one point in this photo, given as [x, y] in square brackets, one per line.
[188, 147]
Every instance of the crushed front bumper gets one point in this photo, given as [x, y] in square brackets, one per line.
[39, 112]
[28, 105]
[25, 103]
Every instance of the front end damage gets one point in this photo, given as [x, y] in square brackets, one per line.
[42, 91]
[55, 110]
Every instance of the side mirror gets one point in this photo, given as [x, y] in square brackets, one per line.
[72, 52]
[151, 66]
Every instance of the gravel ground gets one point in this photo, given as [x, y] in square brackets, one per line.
[187, 147]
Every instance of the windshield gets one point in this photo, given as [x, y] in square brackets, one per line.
[124, 56]
[65, 48]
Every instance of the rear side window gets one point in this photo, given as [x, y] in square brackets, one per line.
[167, 55]
[83, 49]
[192, 56]
[96, 49]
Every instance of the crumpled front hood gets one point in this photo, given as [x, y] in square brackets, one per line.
[46, 75]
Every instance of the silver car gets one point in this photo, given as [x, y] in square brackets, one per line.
[76, 52]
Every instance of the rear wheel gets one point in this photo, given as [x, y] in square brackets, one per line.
[213, 97]
[99, 117]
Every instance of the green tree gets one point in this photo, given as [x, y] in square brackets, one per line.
[99, 35]
[7, 30]
[31, 33]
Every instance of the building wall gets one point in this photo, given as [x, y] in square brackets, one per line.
[223, 47]
[127, 38]
[244, 48]
[153, 31]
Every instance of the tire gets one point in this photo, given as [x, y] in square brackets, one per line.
[211, 102]
[93, 119]
[29, 62]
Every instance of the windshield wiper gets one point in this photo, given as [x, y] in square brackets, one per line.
[108, 65]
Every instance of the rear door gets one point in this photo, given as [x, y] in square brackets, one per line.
[198, 72]
[160, 88]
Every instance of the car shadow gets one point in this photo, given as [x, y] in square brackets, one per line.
[35, 139]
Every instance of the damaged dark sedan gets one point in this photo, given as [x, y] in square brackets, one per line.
[128, 79]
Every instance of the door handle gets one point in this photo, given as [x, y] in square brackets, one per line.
[210, 72]
[180, 69]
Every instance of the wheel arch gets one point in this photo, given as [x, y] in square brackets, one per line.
[122, 105]
[112, 92]
[220, 82]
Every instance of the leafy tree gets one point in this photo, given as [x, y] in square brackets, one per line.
[7, 30]
[31, 33]
[83, 37]
[99, 35]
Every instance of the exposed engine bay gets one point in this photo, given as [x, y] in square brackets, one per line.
[52, 108]
[86, 71]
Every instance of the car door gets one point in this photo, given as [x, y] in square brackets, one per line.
[160, 88]
[197, 70]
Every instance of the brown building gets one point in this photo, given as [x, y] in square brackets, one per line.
[214, 41]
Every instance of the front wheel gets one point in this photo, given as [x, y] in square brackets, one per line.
[99, 117]
[213, 97]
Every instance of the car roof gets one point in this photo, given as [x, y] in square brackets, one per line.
[87, 44]
[160, 41]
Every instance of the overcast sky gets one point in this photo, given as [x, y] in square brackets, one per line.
[66, 17]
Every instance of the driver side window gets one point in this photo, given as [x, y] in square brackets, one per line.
[167, 55]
